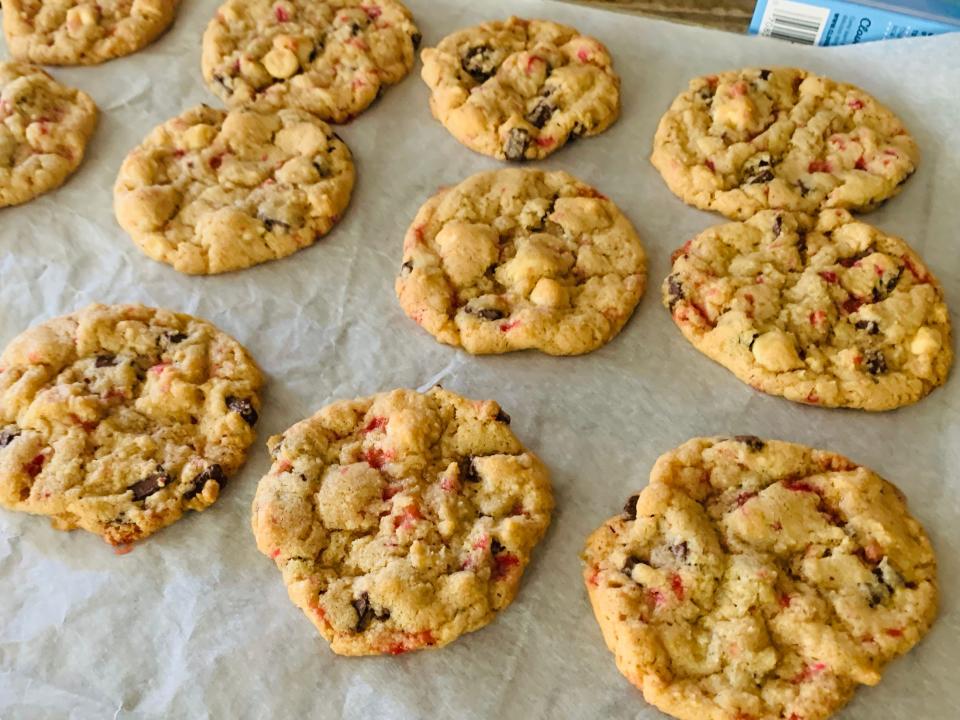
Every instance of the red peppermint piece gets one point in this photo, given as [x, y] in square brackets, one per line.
[676, 584]
[377, 423]
[281, 14]
[819, 166]
[829, 276]
[855, 104]
[34, 467]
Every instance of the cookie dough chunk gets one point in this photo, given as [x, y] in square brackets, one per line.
[331, 57]
[516, 259]
[118, 418]
[403, 520]
[211, 191]
[829, 312]
[520, 89]
[83, 32]
[751, 139]
[759, 579]
[44, 128]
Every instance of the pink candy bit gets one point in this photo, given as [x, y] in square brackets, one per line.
[921, 277]
[544, 142]
[812, 398]
[709, 163]
[411, 513]
[739, 88]
[873, 552]
[592, 578]
[818, 166]
[275, 554]
[377, 423]
[123, 549]
[410, 641]
[794, 716]
[591, 193]
[179, 153]
[376, 457]
[799, 486]
[284, 465]
[809, 672]
[503, 564]
[784, 601]
[281, 14]
[372, 11]
[583, 55]
[676, 584]
[389, 491]
[851, 304]
[481, 543]
[531, 61]
[829, 276]
[817, 317]
[159, 368]
[855, 104]
[506, 327]
[655, 597]
[449, 484]
[894, 632]
[681, 251]
[860, 164]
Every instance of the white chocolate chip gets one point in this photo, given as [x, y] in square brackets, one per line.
[926, 341]
[775, 351]
[549, 293]
[281, 63]
[199, 136]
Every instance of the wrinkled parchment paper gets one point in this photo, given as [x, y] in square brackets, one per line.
[195, 623]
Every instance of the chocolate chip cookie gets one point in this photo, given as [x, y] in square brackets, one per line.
[118, 418]
[751, 139]
[44, 129]
[211, 191]
[520, 89]
[331, 57]
[403, 520]
[83, 32]
[759, 580]
[825, 311]
[515, 259]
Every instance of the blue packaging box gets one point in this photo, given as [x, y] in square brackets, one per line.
[838, 22]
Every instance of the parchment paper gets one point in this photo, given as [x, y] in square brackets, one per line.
[195, 623]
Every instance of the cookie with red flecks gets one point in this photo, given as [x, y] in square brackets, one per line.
[402, 520]
[332, 58]
[119, 418]
[745, 140]
[521, 89]
[211, 191]
[520, 259]
[825, 311]
[44, 129]
[759, 580]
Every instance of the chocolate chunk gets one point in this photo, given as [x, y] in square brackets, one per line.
[176, 337]
[214, 472]
[407, 267]
[496, 547]
[517, 144]
[753, 339]
[751, 441]
[802, 246]
[365, 613]
[875, 362]
[416, 39]
[764, 74]
[777, 225]
[757, 169]
[578, 131]
[854, 259]
[153, 482]
[764, 177]
[323, 170]
[490, 314]
[103, 361]
[468, 473]
[540, 114]
[7, 436]
[706, 94]
[869, 325]
[630, 508]
[680, 551]
[270, 223]
[629, 564]
[355, 29]
[674, 291]
[222, 82]
[892, 282]
[244, 408]
[502, 417]
[803, 188]
[479, 62]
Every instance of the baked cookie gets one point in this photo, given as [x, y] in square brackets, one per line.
[759, 580]
[331, 57]
[211, 191]
[751, 139]
[828, 312]
[516, 259]
[118, 418]
[403, 520]
[520, 89]
[83, 32]
[44, 128]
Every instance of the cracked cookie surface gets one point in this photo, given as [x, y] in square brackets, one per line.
[83, 32]
[213, 191]
[745, 140]
[330, 57]
[517, 259]
[402, 520]
[828, 312]
[520, 89]
[118, 418]
[759, 580]
[44, 129]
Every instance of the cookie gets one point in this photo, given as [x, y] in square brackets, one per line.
[331, 57]
[83, 32]
[750, 139]
[402, 520]
[212, 191]
[828, 312]
[118, 418]
[44, 129]
[759, 580]
[516, 259]
[520, 89]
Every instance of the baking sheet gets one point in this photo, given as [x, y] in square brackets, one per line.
[195, 623]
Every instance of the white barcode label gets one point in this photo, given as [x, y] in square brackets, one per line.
[794, 21]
